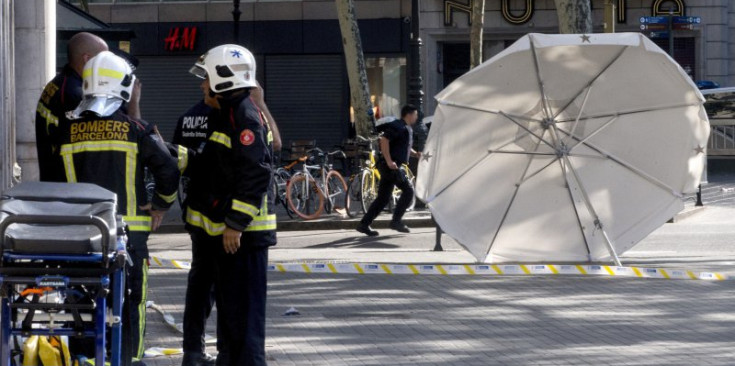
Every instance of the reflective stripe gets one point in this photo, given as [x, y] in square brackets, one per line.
[138, 223]
[262, 223]
[104, 72]
[141, 310]
[245, 208]
[183, 158]
[270, 137]
[195, 218]
[131, 152]
[169, 199]
[221, 138]
[46, 113]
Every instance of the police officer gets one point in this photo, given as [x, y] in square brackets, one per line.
[101, 144]
[229, 203]
[395, 147]
[192, 132]
[60, 96]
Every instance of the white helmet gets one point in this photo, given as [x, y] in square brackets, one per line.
[228, 66]
[107, 82]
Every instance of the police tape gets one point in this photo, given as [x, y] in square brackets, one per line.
[478, 269]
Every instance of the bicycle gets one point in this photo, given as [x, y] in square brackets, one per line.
[308, 196]
[363, 186]
[281, 176]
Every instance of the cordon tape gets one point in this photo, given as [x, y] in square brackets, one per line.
[477, 269]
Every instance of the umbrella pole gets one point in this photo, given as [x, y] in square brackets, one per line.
[588, 203]
[610, 247]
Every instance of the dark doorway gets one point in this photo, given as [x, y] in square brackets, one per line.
[455, 60]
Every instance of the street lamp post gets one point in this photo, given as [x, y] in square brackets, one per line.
[415, 82]
[236, 21]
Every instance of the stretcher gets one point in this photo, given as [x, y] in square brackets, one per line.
[62, 271]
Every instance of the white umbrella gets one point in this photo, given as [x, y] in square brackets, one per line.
[564, 148]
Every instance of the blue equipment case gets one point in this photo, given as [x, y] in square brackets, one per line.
[67, 239]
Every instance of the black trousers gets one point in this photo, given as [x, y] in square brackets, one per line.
[137, 284]
[240, 280]
[389, 179]
[199, 295]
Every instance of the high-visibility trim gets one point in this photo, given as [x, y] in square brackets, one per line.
[141, 311]
[131, 152]
[71, 174]
[221, 138]
[195, 218]
[46, 113]
[263, 223]
[138, 223]
[245, 208]
[270, 137]
[169, 199]
[183, 158]
[104, 72]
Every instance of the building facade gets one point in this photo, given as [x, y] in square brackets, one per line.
[299, 51]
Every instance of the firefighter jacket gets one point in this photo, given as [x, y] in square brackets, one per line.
[61, 95]
[112, 152]
[231, 177]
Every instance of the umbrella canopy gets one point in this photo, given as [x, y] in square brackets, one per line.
[564, 148]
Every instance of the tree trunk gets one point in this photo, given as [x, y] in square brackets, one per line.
[478, 22]
[575, 16]
[359, 92]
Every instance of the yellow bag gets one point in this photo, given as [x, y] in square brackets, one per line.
[30, 351]
[54, 350]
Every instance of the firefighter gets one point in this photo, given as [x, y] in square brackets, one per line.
[61, 95]
[230, 200]
[101, 144]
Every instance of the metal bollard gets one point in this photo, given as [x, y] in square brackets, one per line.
[699, 197]
[438, 241]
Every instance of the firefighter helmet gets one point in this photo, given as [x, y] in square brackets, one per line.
[228, 67]
[107, 82]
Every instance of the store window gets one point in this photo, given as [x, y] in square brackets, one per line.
[387, 84]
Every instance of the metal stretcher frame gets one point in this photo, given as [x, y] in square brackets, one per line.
[99, 274]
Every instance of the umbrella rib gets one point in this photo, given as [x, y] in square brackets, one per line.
[584, 103]
[526, 128]
[634, 111]
[472, 166]
[591, 209]
[544, 98]
[510, 203]
[491, 111]
[576, 212]
[588, 86]
[595, 132]
[632, 168]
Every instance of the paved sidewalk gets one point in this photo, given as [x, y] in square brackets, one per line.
[475, 320]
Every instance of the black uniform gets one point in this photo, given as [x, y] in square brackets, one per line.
[192, 133]
[231, 186]
[400, 138]
[112, 153]
[61, 95]
[191, 129]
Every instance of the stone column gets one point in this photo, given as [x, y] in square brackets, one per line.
[7, 96]
[35, 64]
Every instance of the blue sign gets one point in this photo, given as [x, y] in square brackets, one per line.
[655, 20]
[659, 35]
[687, 20]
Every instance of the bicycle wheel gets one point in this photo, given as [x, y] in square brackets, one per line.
[353, 202]
[369, 188]
[335, 192]
[280, 180]
[304, 197]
